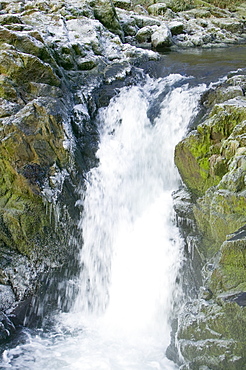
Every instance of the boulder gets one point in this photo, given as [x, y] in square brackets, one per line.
[145, 33]
[105, 12]
[161, 38]
[123, 4]
[176, 27]
[157, 9]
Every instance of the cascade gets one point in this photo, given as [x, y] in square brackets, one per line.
[132, 250]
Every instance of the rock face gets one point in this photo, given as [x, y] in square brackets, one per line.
[211, 161]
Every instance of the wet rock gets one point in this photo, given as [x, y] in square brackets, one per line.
[6, 327]
[22, 67]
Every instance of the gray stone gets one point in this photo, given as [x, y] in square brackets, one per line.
[161, 38]
[7, 297]
[143, 21]
[145, 33]
[176, 27]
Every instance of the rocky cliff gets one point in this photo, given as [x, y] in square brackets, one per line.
[59, 62]
[211, 161]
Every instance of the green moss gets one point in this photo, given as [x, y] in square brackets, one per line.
[231, 271]
[23, 68]
[219, 213]
[202, 157]
[31, 143]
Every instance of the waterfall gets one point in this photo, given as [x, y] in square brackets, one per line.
[132, 250]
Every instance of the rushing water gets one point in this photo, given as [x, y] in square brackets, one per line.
[132, 250]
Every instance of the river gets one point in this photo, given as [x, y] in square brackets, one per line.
[132, 250]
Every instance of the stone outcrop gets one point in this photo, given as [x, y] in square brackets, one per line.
[211, 161]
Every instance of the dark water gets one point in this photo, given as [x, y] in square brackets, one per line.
[205, 65]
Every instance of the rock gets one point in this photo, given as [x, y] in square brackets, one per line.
[198, 13]
[7, 297]
[157, 9]
[230, 25]
[59, 62]
[209, 328]
[128, 23]
[21, 67]
[139, 9]
[105, 12]
[6, 327]
[212, 335]
[176, 27]
[220, 95]
[229, 274]
[161, 38]
[143, 21]
[219, 213]
[198, 157]
[145, 33]
[8, 108]
[123, 4]
[176, 6]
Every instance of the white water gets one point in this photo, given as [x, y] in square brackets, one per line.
[132, 250]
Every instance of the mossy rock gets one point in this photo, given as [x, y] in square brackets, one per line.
[22, 68]
[217, 214]
[32, 142]
[198, 157]
[230, 273]
[26, 43]
[213, 334]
